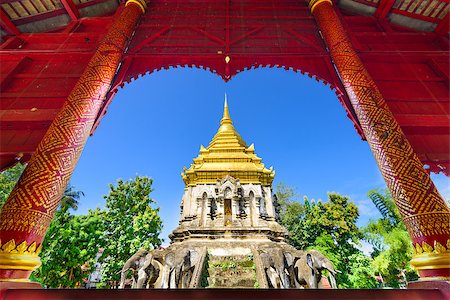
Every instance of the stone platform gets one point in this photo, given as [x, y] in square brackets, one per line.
[224, 294]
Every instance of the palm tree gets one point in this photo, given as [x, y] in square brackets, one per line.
[70, 198]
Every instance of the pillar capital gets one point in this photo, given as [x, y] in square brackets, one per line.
[141, 3]
[313, 3]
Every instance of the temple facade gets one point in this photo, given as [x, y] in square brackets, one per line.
[228, 191]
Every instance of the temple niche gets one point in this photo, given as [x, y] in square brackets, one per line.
[228, 235]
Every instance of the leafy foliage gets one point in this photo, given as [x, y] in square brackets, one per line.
[131, 223]
[329, 227]
[69, 249]
[8, 180]
[392, 245]
[70, 245]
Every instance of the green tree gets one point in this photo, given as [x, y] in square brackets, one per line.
[69, 249]
[329, 227]
[8, 180]
[361, 272]
[70, 198]
[392, 245]
[70, 245]
[131, 223]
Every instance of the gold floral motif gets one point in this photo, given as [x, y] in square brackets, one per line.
[439, 248]
[418, 249]
[10, 247]
[427, 249]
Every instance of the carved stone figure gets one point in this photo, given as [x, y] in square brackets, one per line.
[149, 273]
[134, 263]
[308, 269]
[268, 264]
[168, 280]
[213, 209]
[187, 269]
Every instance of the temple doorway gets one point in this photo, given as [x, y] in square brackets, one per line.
[227, 212]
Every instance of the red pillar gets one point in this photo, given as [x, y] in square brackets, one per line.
[423, 209]
[27, 213]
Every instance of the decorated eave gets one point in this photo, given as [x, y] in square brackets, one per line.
[46, 45]
[227, 154]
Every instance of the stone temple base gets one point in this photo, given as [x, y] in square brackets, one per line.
[225, 262]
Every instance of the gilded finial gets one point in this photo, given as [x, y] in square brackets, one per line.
[226, 114]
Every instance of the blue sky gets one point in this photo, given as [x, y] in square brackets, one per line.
[156, 125]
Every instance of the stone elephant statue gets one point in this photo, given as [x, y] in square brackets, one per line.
[150, 273]
[135, 262]
[178, 268]
[272, 275]
[278, 265]
[308, 269]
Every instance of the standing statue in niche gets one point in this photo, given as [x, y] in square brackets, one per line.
[242, 212]
[213, 209]
[277, 207]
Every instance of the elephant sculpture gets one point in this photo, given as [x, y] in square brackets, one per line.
[273, 277]
[308, 269]
[149, 273]
[134, 263]
[178, 268]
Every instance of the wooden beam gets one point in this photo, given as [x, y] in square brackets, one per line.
[443, 26]
[7, 24]
[71, 9]
[383, 8]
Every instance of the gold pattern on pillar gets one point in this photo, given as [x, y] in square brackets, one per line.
[423, 209]
[29, 209]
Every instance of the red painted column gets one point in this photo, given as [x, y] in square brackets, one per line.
[26, 215]
[423, 209]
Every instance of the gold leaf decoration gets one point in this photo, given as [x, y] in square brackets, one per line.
[427, 248]
[32, 248]
[448, 244]
[439, 248]
[9, 246]
[418, 249]
[22, 247]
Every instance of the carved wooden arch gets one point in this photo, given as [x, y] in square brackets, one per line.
[227, 39]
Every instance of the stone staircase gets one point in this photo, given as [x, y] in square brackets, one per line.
[229, 272]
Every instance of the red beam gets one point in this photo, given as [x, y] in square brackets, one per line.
[7, 25]
[443, 26]
[71, 9]
[383, 8]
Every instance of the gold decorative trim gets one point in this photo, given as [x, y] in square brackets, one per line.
[10, 247]
[19, 257]
[429, 257]
[426, 248]
[141, 3]
[313, 3]
[436, 278]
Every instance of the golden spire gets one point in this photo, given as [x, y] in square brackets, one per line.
[226, 114]
[227, 136]
[227, 154]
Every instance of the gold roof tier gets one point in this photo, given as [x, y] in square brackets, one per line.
[227, 154]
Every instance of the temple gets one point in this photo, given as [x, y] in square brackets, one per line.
[229, 235]
[228, 191]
